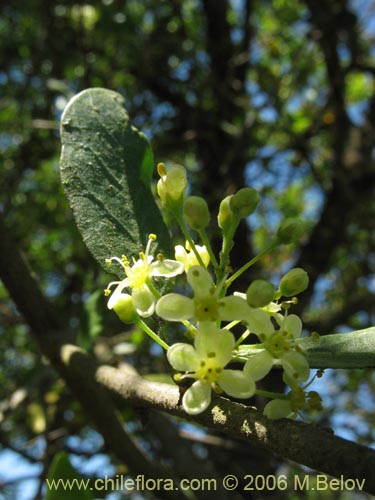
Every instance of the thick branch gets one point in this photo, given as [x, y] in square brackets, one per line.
[75, 366]
[307, 444]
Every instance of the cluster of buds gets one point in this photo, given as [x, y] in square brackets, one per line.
[209, 312]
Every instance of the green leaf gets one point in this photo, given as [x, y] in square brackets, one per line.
[341, 350]
[106, 169]
[64, 482]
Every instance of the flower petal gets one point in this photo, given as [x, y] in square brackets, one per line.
[167, 268]
[183, 357]
[210, 340]
[293, 325]
[197, 398]
[233, 308]
[296, 365]
[200, 281]
[259, 365]
[259, 322]
[278, 408]
[144, 301]
[116, 293]
[236, 383]
[175, 307]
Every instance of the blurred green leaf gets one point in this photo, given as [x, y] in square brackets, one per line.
[106, 168]
[71, 485]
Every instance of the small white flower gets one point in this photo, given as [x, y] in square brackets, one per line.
[280, 344]
[137, 277]
[206, 304]
[206, 363]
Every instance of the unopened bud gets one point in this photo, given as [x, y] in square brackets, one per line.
[294, 282]
[244, 202]
[290, 230]
[225, 215]
[260, 293]
[124, 308]
[315, 401]
[172, 185]
[278, 408]
[196, 212]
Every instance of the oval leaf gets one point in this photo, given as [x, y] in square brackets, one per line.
[106, 168]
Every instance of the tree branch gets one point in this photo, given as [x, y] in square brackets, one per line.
[315, 447]
[75, 366]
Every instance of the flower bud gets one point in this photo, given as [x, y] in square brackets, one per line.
[278, 408]
[244, 202]
[225, 215]
[196, 212]
[124, 308]
[290, 230]
[260, 293]
[172, 185]
[294, 282]
[314, 401]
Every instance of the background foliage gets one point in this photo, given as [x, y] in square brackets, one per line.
[278, 95]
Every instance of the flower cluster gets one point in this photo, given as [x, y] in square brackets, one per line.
[210, 313]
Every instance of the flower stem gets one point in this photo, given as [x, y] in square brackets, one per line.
[272, 395]
[243, 337]
[142, 325]
[153, 289]
[185, 231]
[246, 266]
[206, 242]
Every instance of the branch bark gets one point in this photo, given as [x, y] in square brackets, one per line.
[75, 366]
[315, 447]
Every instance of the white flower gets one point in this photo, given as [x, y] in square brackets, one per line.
[188, 257]
[280, 344]
[137, 278]
[206, 305]
[205, 362]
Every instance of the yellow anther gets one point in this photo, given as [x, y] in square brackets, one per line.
[152, 237]
[107, 292]
[162, 169]
[108, 262]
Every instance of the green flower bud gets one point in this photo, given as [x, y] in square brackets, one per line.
[172, 185]
[260, 293]
[314, 401]
[290, 230]
[124, 309]
[244, 202]
[294, 282]
[225, 216]
[278, 408]
[196, 212]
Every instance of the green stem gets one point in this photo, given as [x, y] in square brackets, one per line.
[185, 231]
[226, 248]
[272, 395]
[152, 334]
[153, 289]
[207, 244]
[246, 266]
[243, 337]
